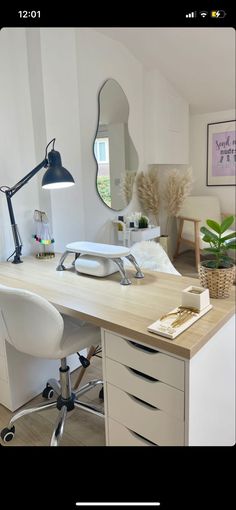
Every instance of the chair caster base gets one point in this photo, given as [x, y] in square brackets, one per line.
[48, 392]
[7, 434]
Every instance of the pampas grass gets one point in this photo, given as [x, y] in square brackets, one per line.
[126, 186]
[178, 187]
[148, 192]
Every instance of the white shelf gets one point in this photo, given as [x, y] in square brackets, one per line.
[140, 234]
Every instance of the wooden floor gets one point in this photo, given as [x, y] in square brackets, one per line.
[82, 428]
[185, 264]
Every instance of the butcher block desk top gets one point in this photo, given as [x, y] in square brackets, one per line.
[125, 310]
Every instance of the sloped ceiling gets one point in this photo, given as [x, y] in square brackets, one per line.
[199, 62]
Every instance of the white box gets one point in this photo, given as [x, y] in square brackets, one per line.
[196, 297]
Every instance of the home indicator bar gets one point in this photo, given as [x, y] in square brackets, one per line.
[119, 504]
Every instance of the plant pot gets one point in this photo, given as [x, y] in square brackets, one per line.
[218, 281]
[164, 241]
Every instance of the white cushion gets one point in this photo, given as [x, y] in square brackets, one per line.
[151, 256]
[95, 266]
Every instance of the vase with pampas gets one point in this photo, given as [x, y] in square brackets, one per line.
[126, 186]
[148, 192]
[178, 187]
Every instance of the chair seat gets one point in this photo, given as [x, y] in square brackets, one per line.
[78, 335]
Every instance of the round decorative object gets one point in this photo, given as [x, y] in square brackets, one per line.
[218, 281]
[45, 255]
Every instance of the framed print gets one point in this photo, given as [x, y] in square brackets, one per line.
[221, 154]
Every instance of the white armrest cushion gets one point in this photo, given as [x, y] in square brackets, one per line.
[95, 266]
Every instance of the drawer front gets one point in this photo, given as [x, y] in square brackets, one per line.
[150, 422]
[161, 366]
[3, 369]
[121, 436]
[150, 390]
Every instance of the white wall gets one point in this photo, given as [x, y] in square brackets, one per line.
[198, 159]
[62, 117]
[50, 84]
[38, 111]
[166, 121]
[100, 58]
[17, 151]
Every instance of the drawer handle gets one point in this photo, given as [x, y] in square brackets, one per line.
[142, 347]
[135, 434]
[144, 376]
[142, 402]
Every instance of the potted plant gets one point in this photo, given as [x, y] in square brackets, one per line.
[217, 274]
[143, 222]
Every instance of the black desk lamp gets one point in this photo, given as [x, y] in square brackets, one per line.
[55, 177]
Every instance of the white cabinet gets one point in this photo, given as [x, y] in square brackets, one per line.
[166, 121]
[131, 236]
[155, 398]
[144, 394]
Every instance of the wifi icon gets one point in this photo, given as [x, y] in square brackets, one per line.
[203, 14]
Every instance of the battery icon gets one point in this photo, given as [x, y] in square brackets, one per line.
[218, 14]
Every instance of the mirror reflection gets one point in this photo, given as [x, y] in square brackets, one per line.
[115, 153]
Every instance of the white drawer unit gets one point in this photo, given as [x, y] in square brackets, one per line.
[122, 436]
[162, 367]
[148, 421]
[152, 391]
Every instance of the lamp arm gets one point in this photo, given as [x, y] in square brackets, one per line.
[15, 232]
[9, 192]
[24, 180]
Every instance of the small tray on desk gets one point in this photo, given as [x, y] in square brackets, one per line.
[164, 328]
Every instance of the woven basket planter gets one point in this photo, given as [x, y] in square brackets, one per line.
[218, 281]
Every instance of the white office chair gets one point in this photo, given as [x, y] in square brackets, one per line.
[34, 326]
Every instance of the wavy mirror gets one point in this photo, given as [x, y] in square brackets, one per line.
[114, 151]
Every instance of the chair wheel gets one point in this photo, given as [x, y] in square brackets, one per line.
[8, 434]
[48, 392]
[101, 394]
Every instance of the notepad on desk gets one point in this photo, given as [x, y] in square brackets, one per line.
[176, 321]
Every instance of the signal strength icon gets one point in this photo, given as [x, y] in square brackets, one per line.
[192, 14]
[203, 14]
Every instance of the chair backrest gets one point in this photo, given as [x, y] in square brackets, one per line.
[202, 208]
[29, 322]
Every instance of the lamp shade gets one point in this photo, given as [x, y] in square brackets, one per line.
[56, 176]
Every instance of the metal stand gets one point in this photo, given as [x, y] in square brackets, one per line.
[133, 261]
[118, 261]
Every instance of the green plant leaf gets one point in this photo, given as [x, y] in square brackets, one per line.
[207, 239]
[212, 250]
[225, 261]
[212, 264]
[231, 245]
[209, 234]
[226, 223]
[229, 236]
[214, 225]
